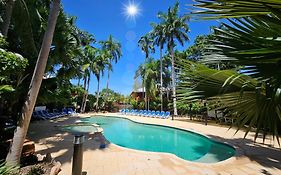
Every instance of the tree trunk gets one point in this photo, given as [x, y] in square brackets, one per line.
[84, 95]
[143, 95]
[174, 83]
[107, 84]
[7, 17]
[78, 83]
[145, 99]
[98, 95]
[87, 93]
[161, 79]
[14, 154]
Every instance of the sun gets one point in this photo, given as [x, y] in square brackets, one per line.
[131, 10]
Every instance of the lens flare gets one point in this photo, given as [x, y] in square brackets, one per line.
[131, 10]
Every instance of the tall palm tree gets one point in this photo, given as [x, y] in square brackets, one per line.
[176, 29]
[14, 154]
[114, 47]
[158, 35]
[146, 45]
[97, 67]
[149, 74]
[150, 78]
[90, 58]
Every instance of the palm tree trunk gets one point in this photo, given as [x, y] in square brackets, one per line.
[78, 83]
[7, 17]
[143, 94]
[174, 83]
[98, 95]
[87, 93]
[14, 154]
[107, 84]
[161, 79]
[84, 94]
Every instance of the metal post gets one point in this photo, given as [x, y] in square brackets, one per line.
[77, 154]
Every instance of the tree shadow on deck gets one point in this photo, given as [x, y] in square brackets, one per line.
[50, 138]
[264, 155]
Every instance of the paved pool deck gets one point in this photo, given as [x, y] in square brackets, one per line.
[252, 158]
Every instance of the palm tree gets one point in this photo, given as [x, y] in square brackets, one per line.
[14, 154]
[114, 47]
[150, 78]
[90, 58]
[97, 67]
[158, 34]
[149, 74]
[175, 28]
[251, 95]
[146, 45]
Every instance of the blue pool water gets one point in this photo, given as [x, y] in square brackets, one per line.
[184, 144]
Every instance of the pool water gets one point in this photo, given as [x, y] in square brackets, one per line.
[184, 144]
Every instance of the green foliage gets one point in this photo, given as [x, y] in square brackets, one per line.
[11, 63]
[12, 66]
[108, 99]
[135, 104]
[146, 44]
[8, 170]
[196, 51]
[250, 95]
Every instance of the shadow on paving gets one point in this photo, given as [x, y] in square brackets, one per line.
[59, 142]
[264, 155]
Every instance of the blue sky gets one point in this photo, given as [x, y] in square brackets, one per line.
[104, 17]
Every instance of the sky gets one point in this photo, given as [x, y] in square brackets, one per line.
[104, 17]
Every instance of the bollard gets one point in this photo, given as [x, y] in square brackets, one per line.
[78, 154]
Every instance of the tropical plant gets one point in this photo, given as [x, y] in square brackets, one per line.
[13, 156]
[8, 169]
[98, 68]
[90, 54]
[114, 47]
[252, 94]
[176, 29]
[158, 35]
[146, 45]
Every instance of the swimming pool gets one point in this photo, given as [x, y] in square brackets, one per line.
[184, 144]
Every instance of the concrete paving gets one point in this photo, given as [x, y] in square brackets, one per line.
[251, 158]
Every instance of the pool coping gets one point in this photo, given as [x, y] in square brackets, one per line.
[238, 151]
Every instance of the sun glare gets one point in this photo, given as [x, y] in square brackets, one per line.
[131, 10]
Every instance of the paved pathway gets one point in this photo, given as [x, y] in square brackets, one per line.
[251, 158]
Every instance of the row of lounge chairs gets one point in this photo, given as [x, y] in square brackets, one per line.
[45, 115]
[147, 113]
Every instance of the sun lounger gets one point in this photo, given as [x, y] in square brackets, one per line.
[144, 113]
[127, 111]
[157, 114]
[148, 114]
[152, 114]
[140, 112]
[122, 111]
[167, 114]
[162, 114]
[37, 116]
[135, 112]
